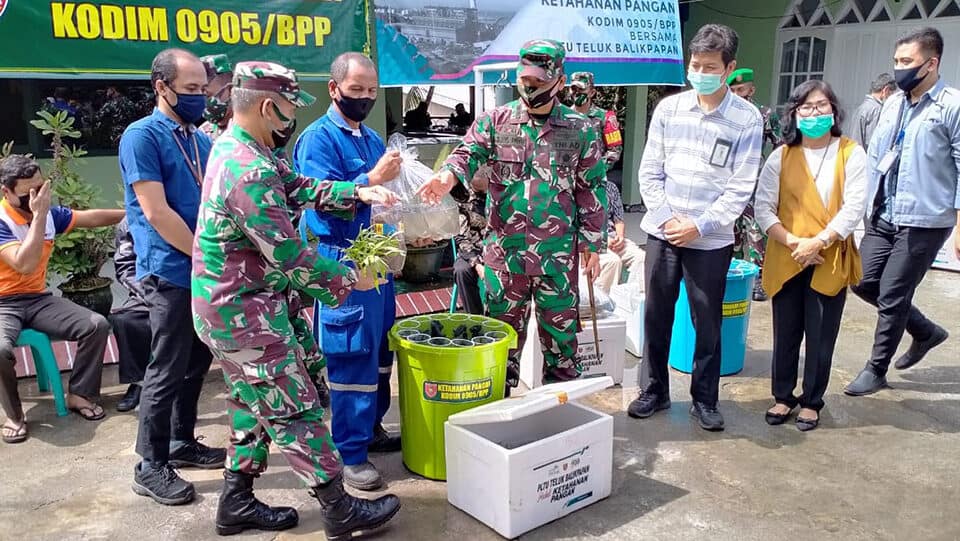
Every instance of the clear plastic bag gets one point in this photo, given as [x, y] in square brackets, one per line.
[604, 305]
[422, 223]
[388, 221]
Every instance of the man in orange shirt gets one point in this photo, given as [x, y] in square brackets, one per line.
[25, 246]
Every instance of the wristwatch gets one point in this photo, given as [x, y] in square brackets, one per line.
[824, 237]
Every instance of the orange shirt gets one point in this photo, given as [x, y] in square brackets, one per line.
[13, 229]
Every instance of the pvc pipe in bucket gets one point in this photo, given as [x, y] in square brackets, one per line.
[419, 338]
[461, 343]
[440, 341]
[496, 335]
[483, 341]
[406, 333]
[409, 324]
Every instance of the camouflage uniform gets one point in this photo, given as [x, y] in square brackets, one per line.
[217, 114]
[246, 257]
[545, 204]
[604, 122]
[113, 118]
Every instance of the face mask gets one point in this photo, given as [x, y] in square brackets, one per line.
[580, 100]
[189, 107]
[815, 127]
[281, 137]
[534, 98]
[217, 109]
[356, 109]
[908, 78]
[23, 202]
[704, 83]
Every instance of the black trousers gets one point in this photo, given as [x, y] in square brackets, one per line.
[468, 286]
[894, 262]
[800, 312]
[705, 274]
[131, 328]
[174, 376]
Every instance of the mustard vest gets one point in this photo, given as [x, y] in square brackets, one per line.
[802, 212]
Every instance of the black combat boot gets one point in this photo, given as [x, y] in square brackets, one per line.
[240, 510]
[343, 515]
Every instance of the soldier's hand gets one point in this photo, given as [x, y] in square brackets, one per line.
[377, 194]
[40, 200]
[590, 261]
[438, 186]
[387, 169]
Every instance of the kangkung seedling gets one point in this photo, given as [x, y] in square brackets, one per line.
[370, 251]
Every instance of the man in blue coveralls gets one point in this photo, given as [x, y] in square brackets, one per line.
[353, 337]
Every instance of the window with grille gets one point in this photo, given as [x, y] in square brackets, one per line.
[802, 58]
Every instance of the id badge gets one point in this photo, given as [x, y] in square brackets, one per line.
[720, 153]
[888, 160]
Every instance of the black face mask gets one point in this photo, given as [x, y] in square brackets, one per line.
[282, 137]
[908, 79]
[356, 109]
[23, 202]
[535, 98]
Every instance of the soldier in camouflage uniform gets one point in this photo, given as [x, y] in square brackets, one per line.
[749, 240]
[218, 113]
[468, 267]
[246, 255]
[545, 206]
[117, 113]
[604, 122]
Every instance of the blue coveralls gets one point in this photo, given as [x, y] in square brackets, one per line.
[353, 337]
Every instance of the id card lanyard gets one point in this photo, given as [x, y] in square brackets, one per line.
[893, 154]
[193, 164]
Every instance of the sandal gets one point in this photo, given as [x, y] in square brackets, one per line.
[774, 419]
[15, 435]
[90, 413]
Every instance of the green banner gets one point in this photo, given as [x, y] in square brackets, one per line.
[119, 39]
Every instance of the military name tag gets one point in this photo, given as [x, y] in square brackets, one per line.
[720, 153]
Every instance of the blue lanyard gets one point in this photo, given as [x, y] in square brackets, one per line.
[903, 122]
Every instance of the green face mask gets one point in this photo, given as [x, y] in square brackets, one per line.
[580, 99]
[815, 127]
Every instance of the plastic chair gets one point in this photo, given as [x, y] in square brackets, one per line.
[48, 372]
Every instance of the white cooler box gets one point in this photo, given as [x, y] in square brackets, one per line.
[612, 330]
[947, 257]
[520, 463]
[629, 300]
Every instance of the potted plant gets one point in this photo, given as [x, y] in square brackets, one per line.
[80, 254]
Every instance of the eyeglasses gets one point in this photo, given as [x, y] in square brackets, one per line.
[808, 109]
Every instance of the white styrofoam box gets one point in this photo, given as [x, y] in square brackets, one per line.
[947, 257]
[613, 333]
[629, 300]
[520, 463]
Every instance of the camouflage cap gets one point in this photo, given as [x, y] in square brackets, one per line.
[216, 64]
[740, 76]
[582, 80]
[272, 78]
[541, 58]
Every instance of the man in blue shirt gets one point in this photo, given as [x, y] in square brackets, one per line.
[162, 161]
[912, 200]
[338, 146]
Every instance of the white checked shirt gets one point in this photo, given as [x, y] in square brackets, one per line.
[700, 165]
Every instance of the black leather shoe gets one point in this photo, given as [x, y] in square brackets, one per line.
[867, 382]
[806, 425]
[240, 510]
[162, 484]
[759, 294]
[708, 416]
[198, 455]
[342, 515]
[130, 400]
[919, 349]
[646, 405]
[774, 419]
[383, 441]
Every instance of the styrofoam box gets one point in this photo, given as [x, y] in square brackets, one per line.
[613, 334]
[947, 257]
[520, 463]
[630, 309]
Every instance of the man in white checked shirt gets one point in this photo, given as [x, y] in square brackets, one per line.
[697, 174]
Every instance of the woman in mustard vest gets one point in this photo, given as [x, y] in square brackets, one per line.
[810, 197]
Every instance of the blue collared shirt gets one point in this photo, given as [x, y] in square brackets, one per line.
[330, 149]
[928, 173]
[149, 153]
[700, 165]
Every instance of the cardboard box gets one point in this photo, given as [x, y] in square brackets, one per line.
[613, 334]
[520, 463]
[947, 257]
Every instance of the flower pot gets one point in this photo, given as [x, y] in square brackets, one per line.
[423, 264]
[93, 294]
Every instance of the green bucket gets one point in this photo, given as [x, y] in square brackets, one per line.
[438, 379]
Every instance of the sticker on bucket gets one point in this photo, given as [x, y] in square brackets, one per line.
[735, 309]
[457, 392]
